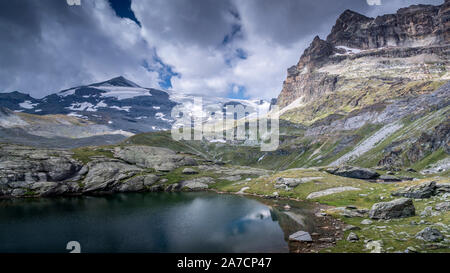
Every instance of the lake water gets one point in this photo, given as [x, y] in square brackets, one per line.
[149, 222]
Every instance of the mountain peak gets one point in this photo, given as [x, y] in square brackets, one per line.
[120, 81]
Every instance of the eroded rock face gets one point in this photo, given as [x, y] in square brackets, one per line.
[160, 159]
[410, 26]
[399, 208]
[369, 52]
[26, 171]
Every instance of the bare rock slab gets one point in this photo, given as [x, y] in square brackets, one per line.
[300, 236]
[331, 191]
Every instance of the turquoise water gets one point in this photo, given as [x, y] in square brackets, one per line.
[145, 222]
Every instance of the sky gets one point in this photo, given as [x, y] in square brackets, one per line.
[226, 48]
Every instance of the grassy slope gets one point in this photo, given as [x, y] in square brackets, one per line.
[396, 235]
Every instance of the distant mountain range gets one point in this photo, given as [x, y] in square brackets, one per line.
[114, 107]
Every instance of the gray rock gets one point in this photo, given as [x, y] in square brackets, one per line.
[375, 246]
[351, 227]
[354, 172]
[160, 159]
[233, 178]
[398, 208]
[354, 213]
[352, 237]
[444, 206]
[134, 184]
[331, 191]
[389, 178]
[104, 175]
[195, 186]
[156, 188]
[326, 240]
[366, 222]
[150, 179]
[427, 212]
[18, 192]
[189, 171]
[411, 249]
[49, 188]
[174, 187]
[294, 182]
[430, 234]
[443, 188]
[300, 236]
[424, 190]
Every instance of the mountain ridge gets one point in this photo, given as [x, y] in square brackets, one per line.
[417, 31]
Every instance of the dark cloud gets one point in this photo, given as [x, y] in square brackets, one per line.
[206, 46]
[47, 45]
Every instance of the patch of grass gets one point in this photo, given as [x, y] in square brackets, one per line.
[430, 159]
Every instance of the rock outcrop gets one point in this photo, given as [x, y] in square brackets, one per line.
[31, 172]
[362, 53]
[354, 172]
[160, 159]
[398, 208]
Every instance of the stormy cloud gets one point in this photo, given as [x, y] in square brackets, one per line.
[237, 48]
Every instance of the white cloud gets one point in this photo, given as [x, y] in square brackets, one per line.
[51, 46]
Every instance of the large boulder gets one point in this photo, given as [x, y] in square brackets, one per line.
[160, 159]
[354, 172]
[399, 208]
[424, 190]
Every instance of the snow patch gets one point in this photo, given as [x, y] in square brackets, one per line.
[73, 114]
[349, 50]
[161, 116]
[262, 157]
[27, 104]
[122, 93]
[123, 108]
[83, 106]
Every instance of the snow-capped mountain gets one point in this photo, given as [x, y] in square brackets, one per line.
[121, 104]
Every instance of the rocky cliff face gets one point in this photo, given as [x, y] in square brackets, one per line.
[363, 55]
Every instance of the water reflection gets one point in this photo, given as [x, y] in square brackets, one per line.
[180, 222]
